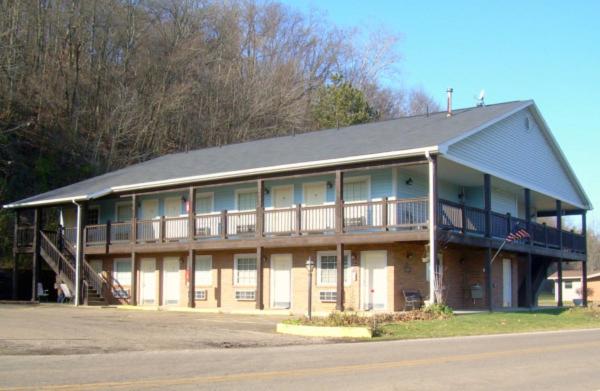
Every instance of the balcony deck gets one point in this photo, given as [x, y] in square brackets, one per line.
[377, 221]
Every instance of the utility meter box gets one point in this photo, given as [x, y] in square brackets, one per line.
[476, 292]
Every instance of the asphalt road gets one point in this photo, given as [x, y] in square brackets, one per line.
[548, 361]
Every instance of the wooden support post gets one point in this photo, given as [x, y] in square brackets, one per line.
[433, 223]
[16, 232]
[260, 208]
[488, 279]
[340, 277]
[529, 266]
[384, 213]
[259, 278]
[35, 266]
[107, 235]
[133, 289]
[299, 219]
[463, 218]
[191, 272]
[559, 213]
[81, 218]
[133, 238]
[487, 204]
[584, 293]
[223, 224]
[559, 281]
[161, 229]
[15, 277]
[15, 270]
[339, 201]
[191, 214]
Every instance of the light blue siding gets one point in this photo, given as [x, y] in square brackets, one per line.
[522, 154]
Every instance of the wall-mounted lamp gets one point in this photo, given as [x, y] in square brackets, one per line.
[409, 181]
[461, 195]
[267, 190]
[329, 184]
[409, 255]
[183, 199]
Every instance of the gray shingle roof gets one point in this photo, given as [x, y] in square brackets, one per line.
[385, 136]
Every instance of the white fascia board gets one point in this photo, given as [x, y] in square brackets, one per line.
[233, 174]
[46, 202]
[511, 179]
[280, 168]
[444, 146]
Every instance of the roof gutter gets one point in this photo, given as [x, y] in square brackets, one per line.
[233, 174]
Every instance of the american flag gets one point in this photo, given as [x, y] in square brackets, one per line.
[519, 235]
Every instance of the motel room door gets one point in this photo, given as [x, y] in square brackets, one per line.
[373, 280]
[149, 212]
[281, 281]
[147, 281]
[170, 281]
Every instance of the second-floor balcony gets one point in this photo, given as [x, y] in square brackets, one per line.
[368, 216]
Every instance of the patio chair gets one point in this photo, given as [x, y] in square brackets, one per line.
[412, 299]
[41, 292]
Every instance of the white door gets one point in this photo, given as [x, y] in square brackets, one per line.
[283, 197]
[282, 219]
[506, 283]
[314, 193]
[149, 230]
[373, 280]
[171, 281]
[175, 227]
[147, 281]
[281, 281]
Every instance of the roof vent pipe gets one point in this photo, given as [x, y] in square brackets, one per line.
[449, 109]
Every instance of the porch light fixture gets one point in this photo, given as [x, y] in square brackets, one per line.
[267, 191]
[183, 199]
[329, 184]
[409, 181]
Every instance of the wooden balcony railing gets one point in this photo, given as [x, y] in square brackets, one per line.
[457, 217]
[365, 216]
[24, 236]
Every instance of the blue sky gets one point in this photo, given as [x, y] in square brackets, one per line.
[515, 50]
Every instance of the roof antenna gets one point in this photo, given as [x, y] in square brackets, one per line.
[449, 91]
[481, 99]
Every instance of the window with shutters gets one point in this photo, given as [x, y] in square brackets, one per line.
[246, 200]
[203, 272]
[244, 270]
[356, 189]
[327, 269]
[204, 203]
[92, 217]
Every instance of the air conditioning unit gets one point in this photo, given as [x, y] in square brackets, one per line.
[200, 294]
[245, 295]
[121, 293]
[328, 296]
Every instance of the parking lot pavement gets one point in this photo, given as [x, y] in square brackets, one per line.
[51, 329]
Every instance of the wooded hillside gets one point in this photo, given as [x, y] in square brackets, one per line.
[90, 86]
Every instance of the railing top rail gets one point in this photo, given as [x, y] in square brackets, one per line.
[54, 249]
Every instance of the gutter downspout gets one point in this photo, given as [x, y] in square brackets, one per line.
[78, 255]
[432, 224]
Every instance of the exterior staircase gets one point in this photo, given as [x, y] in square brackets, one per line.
[63, 264]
